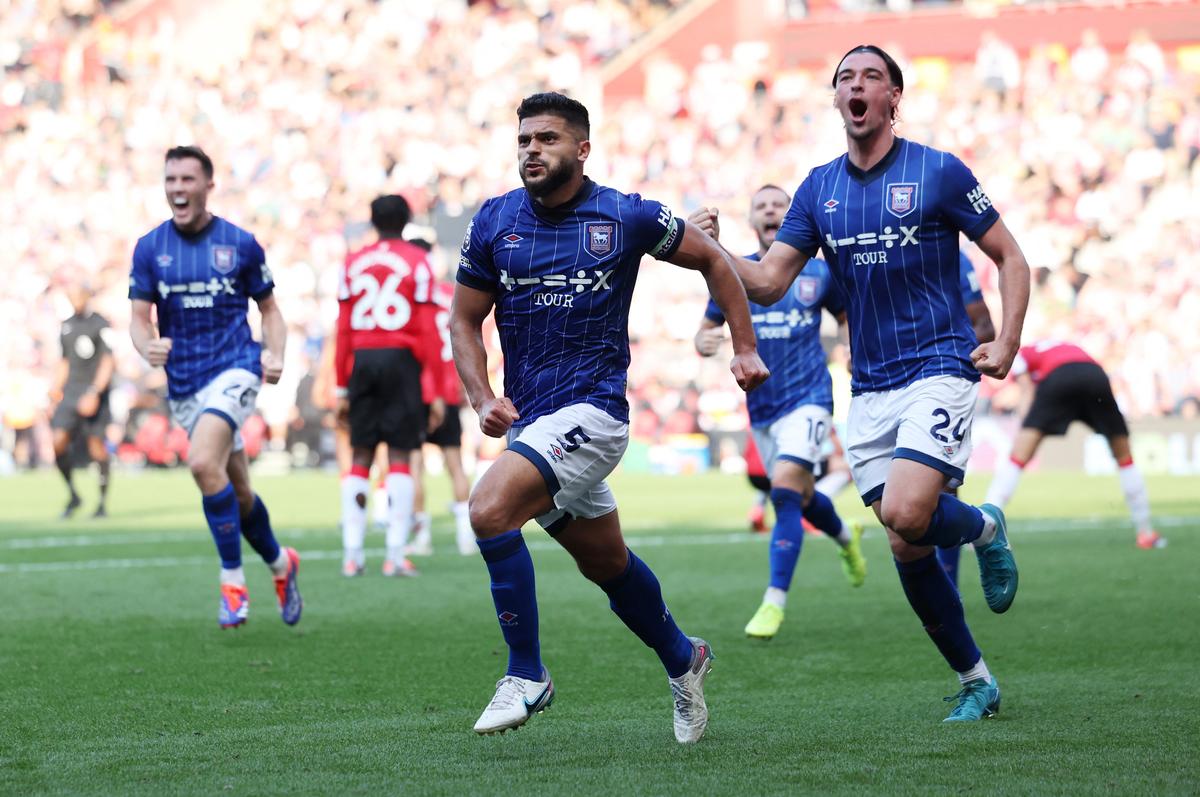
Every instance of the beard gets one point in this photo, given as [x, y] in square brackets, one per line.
[554, 178]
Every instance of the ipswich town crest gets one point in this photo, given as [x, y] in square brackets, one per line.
[599, 238]
[224, 259]
[901, 199]
[806, 289]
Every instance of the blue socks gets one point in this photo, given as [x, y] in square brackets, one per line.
[224, 521]
[936, 602]
[820, 513]
[515, 597]
[636, 597]
[953, 523]
[788, 535]
[256, 528]
[948, 559]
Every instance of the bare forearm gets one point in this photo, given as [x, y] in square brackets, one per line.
[726, 289]
[470, 360]
[141, 332]
[274, 332]
[1014, 299]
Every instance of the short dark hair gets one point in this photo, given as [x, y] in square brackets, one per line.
[191, 151]
[771, 187]
[390, 214]
[555, 104]
[893, 68]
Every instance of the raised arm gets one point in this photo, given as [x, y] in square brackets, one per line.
[702, 253]
[767, 280]
[467, 314]
[996, 357]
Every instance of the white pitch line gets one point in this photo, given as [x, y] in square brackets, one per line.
[1020, 528]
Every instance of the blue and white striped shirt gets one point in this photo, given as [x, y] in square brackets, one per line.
[789, 342]
[563, 280]
[890, 236]
[200, 284]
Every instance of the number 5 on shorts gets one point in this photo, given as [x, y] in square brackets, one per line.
[575, 438]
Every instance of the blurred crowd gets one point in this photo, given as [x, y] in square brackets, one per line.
[310, 108]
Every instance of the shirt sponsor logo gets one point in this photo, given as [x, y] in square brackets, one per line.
[224, 259]
[598, 238]
[907, 236]
[210, 289]
[979, 200]
[579, 283]
[901, 199]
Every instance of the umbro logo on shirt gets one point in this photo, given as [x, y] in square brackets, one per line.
[512, 239]
[831, 205]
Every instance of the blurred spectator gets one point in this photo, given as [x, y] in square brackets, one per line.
[309, 109]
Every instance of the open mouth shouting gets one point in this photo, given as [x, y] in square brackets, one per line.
[858, 110]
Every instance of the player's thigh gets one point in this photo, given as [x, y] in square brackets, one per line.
[799, 439]
[910, 495]
[230, 396]
[508, 494]
[210, 443]
[1100, 410]
[936, 416]
[870, 441]
[574, 448]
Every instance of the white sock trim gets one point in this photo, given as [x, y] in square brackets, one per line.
[776, 596]
[980, 670]
[234, 576]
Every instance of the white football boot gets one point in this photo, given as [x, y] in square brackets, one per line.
[515, 701]
[691, 713]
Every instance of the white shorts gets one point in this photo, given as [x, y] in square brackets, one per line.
[928, 421]
[230, 396]
[800, 437]
[574, 448]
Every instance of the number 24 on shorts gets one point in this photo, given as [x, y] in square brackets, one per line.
[943, 423]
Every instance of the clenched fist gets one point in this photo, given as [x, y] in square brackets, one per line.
[749, 370]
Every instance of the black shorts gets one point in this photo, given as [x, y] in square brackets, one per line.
[449, 434]
[1075, 392]
[66, 417]
[385, 400]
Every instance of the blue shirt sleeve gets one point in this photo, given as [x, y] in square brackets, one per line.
[799, 230]
[657, 231]
[255, 275]
[476, 266]
[968, 281]
[141, 276]
[713, 313]
[963, 202]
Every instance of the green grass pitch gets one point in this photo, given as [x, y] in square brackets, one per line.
[116, 679]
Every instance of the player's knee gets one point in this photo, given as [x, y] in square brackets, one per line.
[204, 467]
[489, 516]
[908, 519]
